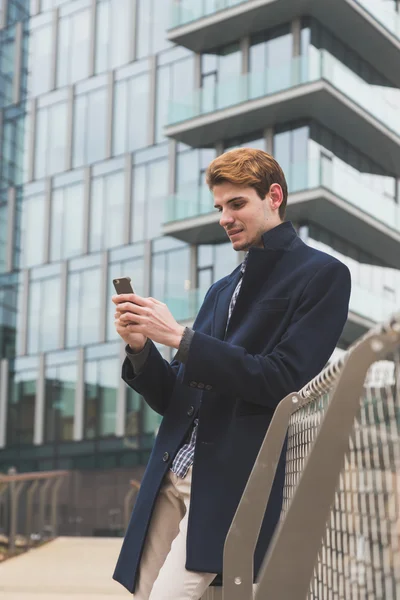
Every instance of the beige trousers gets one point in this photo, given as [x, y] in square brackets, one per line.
[162, 574]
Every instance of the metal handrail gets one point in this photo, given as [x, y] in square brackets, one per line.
[15, 484]
[344, 378]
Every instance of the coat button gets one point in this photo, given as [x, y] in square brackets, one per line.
[190, 411]
[193, 384]
[165, 457]
[208, 387]
[201, 386]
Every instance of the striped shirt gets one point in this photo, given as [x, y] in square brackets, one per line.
[184, 457]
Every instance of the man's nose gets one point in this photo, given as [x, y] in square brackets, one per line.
[226, 219]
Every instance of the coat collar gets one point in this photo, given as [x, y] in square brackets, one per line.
[260, 263]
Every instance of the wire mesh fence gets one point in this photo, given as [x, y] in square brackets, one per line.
[359, 556]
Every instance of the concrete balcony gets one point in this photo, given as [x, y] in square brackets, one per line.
[317, 86]
[323, 192]
[372, 29]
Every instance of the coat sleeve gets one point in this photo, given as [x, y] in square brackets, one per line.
[303, 351]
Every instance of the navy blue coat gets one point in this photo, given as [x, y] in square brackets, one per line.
[288, 317]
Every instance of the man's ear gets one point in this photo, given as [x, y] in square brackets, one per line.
[276, 195]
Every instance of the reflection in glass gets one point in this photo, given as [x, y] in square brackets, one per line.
[7, 57]
[60, 403]
[83, 307]
[131, 127]
[149, 190]
[44, 315]
[66, 231]
[21, 408]
[90, 129]
[73, 48]
[40, 59]
[113, 32]
[101, 384]
[33, 235]
[107, 211]
[51, 140]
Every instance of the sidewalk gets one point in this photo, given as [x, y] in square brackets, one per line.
[69, 568]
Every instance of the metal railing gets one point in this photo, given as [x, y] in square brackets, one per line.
[13, 488]
[340, 525]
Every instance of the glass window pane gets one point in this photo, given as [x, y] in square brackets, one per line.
[57, 138]
[102, 34]
[21, 408]
[120, 125]
[64, 35]
[60, 403]
[50, 314]
[96, 130]
[90, 300]
[41, 143]
[80, 131]
[138, 204]
[115, 205]
[40, 60]
[139, 117]
[143, 29]
[34, 317]
[79, 51]
[97, 220]
[32, 230]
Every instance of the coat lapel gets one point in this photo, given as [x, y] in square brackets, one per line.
[222, 305]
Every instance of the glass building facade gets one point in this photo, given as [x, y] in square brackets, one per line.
[95, 184]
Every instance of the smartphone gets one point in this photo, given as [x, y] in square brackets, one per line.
[123, 285]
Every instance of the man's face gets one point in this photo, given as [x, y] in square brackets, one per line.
[244, 216]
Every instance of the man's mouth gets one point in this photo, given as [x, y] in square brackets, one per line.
[234, 232]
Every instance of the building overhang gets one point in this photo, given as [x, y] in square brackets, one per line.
[347, 19]
[318, 100]
[318, 206]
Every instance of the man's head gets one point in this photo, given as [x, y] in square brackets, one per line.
[250, 192]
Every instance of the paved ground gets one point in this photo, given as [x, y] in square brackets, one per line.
[65, 569]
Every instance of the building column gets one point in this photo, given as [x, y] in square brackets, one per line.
[193, 266]
[296, 33]
[79, 397]
[54, 29]
[92, 47]
[269, 140]
[245, 51]
[38, 433]
[3, 401]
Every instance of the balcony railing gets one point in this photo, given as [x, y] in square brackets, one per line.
[381, 103]
[186, 11]
[194, 201]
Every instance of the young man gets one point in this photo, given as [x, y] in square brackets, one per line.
[262, 332]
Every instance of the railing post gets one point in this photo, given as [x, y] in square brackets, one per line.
[42, 505]
[54, 498]
[243, 534]
[29, 501]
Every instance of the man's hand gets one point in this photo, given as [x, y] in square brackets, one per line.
[135, 341]
[147, 317]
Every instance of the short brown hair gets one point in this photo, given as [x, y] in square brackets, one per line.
[248, 167]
